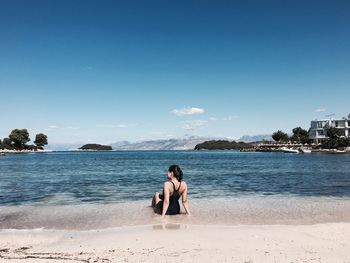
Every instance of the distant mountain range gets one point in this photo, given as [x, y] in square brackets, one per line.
[187, 142]
[256, 138]
[183, 143]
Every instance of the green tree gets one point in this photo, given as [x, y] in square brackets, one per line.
[96, 147]
[300, 135]
[40, 140]
[19, 137]
[334, 140]
[333, 133]
[222, 145]
[280, 136]
[343, 142]
[6, 143]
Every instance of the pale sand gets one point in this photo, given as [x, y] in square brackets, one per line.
[329, 242]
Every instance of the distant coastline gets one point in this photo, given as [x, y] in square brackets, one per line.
[95, 147]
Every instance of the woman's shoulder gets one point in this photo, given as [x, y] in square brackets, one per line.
[167, 184]
[183, 183]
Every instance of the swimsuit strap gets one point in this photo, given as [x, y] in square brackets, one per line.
[175, 187]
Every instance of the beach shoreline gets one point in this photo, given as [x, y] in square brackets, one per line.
[5, 151]
[245, 208]
[252, 210]
[169, 242]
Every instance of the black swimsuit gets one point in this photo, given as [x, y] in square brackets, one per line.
[174, 206]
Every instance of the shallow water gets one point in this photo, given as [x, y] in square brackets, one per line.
[238, 211]
[93, 190]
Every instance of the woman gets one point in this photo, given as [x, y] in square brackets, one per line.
[168, 202]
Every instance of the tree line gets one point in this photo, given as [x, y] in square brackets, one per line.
[302, 136]
[18, 139]
[222, 145]
[299, 136]
[96, 147]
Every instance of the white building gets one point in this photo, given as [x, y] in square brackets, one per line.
[318, 130]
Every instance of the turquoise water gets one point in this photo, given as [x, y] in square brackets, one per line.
[94, 190]
[63, 178]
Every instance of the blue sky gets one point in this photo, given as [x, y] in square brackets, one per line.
[104, 71]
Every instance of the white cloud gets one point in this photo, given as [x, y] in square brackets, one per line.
[320, 110]
[187, 111]
[191, 125]
[229, 118]
[116, 126]
[72, 128]
[55, 127]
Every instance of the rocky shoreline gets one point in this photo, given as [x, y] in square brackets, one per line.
[5, 151]
[294, 148]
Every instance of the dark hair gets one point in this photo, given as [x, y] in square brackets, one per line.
[176, 171]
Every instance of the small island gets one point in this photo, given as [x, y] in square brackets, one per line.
[95, 147]
[223, 145]
[17, 142]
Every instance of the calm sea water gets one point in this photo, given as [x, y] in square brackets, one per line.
[65, 178]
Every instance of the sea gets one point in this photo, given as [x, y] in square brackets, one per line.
[89, 190]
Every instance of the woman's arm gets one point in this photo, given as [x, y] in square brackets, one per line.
[185, 201]
[165, 198]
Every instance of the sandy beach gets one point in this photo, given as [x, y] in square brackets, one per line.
[243, 230]
[169, 242]
[69, 207]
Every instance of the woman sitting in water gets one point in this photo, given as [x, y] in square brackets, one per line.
[168, 202]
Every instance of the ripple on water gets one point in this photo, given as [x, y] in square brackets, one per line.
[117, 177]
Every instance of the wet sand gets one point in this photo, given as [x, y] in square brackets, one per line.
[269, 229]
